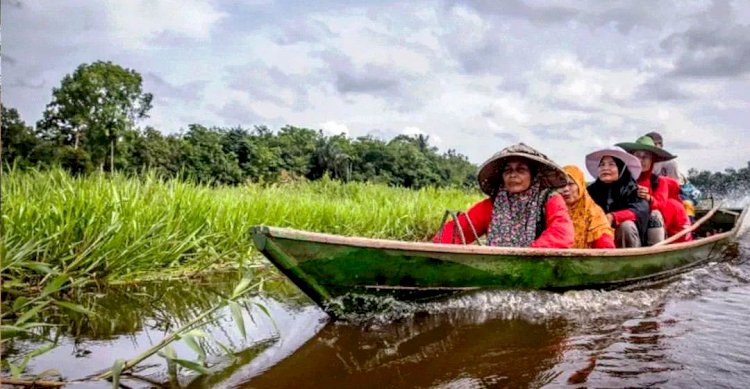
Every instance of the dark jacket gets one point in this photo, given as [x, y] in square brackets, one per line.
[622, 195]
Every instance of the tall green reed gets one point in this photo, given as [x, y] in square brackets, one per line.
[119, 227]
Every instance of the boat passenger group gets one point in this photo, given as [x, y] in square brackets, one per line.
[635, 200]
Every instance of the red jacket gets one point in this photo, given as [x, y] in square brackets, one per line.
[558, 234]
[666, 199]
[606, 241]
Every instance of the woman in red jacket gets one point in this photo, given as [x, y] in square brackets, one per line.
[522, 209]
[668, 215]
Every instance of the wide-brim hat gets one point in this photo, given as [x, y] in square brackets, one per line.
[490, 174]
[646, 143]
[631, 162]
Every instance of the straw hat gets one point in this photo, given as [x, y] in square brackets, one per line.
[490, 174]
[631, 162]
[646, 143]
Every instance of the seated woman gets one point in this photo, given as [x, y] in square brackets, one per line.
[616, 192]
[522, 210]
[655, 189]
[592, 229]
[690, 196]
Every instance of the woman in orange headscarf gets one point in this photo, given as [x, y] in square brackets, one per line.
[592, 229]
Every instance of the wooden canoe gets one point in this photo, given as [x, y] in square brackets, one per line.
[326, 266]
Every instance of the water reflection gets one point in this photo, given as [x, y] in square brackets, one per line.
[159, 305]
[688, 332]
[695, 337]
[465, 349]
[131, 318]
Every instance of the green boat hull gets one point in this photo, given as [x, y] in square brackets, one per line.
[328, 266]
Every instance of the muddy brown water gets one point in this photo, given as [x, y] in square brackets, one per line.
[693, 331]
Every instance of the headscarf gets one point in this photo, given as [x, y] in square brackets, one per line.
[515, 216]
[622, 194]
[589, 220]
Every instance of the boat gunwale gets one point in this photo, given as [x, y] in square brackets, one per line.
[440, 248]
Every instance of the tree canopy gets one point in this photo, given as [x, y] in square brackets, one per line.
[93, 107]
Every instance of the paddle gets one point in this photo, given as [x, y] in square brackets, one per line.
[691, 228]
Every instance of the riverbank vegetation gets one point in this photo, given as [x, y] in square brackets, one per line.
[65, 234]
[115, 227]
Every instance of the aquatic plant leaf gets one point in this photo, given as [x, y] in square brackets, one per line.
[49, 373]
[224, 347]
[264, 309]
[198, 333]
[74, 307]
[194, 366]
[241, 288]
[169, 355]
[41, 350]
[8, 331]
[193, 344]
[116, 371]
[30, 313]
[55, 285]
[169, 352]
[237, 314]
[20, 302]
[38, 267]
[16, 370]
[267, 313]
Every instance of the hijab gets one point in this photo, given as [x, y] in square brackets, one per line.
[515, 216]
[589, 220]
[620, 195]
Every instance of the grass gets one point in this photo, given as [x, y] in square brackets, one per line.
[116, 227]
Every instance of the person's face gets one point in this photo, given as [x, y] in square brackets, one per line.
[570, 193]
[658, 143]
[608, 171]
[646, 158]
[516, 176]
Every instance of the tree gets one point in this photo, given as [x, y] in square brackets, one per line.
[205, 158]
[412, 168]
[94, 107]
[371, 160]
[333, 156]
[297, 147]
[152, 151]
[18, 140]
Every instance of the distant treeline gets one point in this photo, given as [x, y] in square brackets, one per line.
[729, 183]
[90, 124]
[237, 155]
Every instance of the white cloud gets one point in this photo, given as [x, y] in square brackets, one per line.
[564, 77]
[137, 23]
[334, 128]
[434, 140]
[473, 78]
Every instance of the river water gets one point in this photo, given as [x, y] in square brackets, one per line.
[693, 331]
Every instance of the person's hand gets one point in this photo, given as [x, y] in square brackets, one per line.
[643, 193]
[610, 218]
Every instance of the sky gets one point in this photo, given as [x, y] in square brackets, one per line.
[565, 77]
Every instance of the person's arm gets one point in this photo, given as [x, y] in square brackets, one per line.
[658, 199]
[623, 216]
[480, 215]
[606, 241]
[676, 219]
[559, 232]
